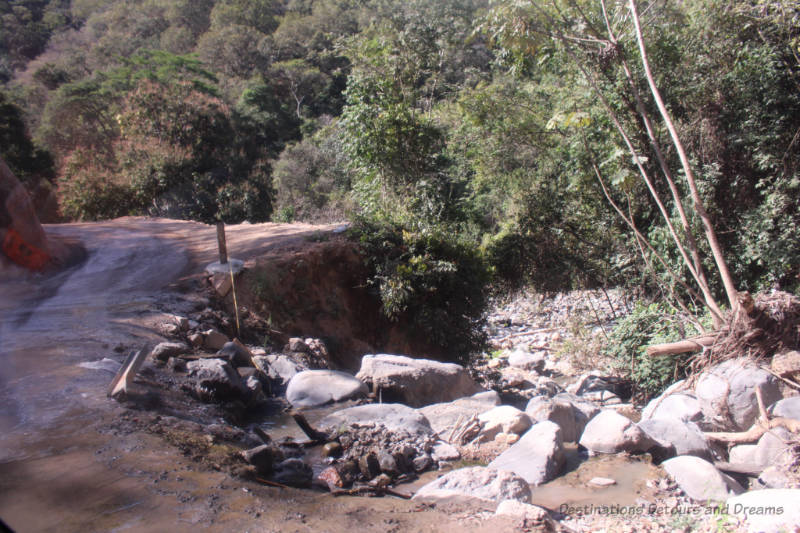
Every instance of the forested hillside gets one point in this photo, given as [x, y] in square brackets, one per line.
[461, 131]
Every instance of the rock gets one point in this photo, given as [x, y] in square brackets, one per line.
[686, 437]
[394, 417]
[171, 330]
[727, 394]
[164, 350]
[533, 362]
[182, 322]
[743, 454]
[278, 367]
[444, 416]
[588, 409]
[610, 432]
[767, 511]
[298, 345]
[416, 382]
[421, 463]
[678, 406]
[699, 479]
[331, 477]
[534, 517]
[537, 457]
[787, 408]
[222, 284]
[773, 447]
[602, 481]
[263, 457]
[294, 472]
[216, 380]
[196, 339]
[591, 383]
[389, 464]
[236, 354]
[502, 419]
[786, 364]
[332, 449]
[176, 364]
[318, 387]
[604, 397]
[444, 451]
[487, 484]
[563, 412]
[369, 465]
[257, 396]
[213, 340]
[773, 477]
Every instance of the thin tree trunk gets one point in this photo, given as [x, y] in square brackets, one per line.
[716, 249]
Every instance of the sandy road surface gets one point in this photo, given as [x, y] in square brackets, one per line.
[62, 470]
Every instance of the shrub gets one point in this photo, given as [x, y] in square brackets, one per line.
[435, 281]
[651, 324]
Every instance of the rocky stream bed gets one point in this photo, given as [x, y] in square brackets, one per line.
[534, 431]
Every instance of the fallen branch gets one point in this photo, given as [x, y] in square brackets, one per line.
[315, 436]
[272, 483]
[688, 345]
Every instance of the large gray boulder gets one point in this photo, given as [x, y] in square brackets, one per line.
[278, 367]
[787, 408]
[773, 447]
[699, 479]
[673, 404]
[318, 387]
[767, 511]
[502, 419]
[686, 437]
[443, 417]
[610, 432]
[415, 382]
[537, 457]
[727, 394]
[216, 380]
[563, 412]
[393, 416]
[533, 362]
[479, 482]
[164, 350]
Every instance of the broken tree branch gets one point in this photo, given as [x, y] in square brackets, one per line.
[687, 345]
[315, 436]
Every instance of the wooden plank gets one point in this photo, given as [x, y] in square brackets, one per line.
[124, 378]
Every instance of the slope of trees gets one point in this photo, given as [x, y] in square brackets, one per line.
[497, 124]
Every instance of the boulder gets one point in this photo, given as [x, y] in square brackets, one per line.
[532, 515]
[318, 387]
[773, 447]
[533, 362]
[610, 432]
[393, 416]
[444, 452]
[235, 353]
[278, 367]
[294, 472]
[699, 479]
[569, 418]
[216, 380]
[502, 419]
[164, 350]
[537, 457]
[415, 382]
[263, 457]
[787, 408]
[479, 482]
[213, 339]
[686, 437]
[444, 416]
[767, 511]
[677, 406]
[586, 407]
[773, 477]
[742, 454]
[727, 394]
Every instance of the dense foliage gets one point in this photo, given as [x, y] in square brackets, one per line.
[485, 122]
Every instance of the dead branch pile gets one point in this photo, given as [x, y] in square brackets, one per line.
[760, 328]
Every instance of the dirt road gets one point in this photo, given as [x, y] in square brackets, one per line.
[65, 464]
